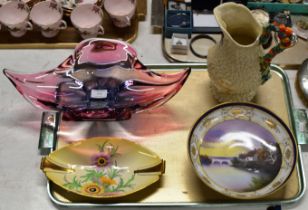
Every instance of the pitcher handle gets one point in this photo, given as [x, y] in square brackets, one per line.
[287, 38]
[29, 26]
[127, 19]
[63, 25]
[101, 30]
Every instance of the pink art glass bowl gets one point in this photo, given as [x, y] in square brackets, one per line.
[102, 79]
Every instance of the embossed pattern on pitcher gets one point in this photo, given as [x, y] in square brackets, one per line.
[237, 65]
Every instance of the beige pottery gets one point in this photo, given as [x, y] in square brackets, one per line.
[234, 63]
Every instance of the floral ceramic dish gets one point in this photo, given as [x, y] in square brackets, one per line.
[103, 167]
[242, 150]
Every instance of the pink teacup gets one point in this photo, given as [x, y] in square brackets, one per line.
[70, 4]
[87, 19]
[48, 16]
[15, 15]
[121, 11]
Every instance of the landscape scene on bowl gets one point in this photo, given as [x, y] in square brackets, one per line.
[240, 155]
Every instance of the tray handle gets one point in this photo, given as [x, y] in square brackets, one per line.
[301, 126]
[48, 133]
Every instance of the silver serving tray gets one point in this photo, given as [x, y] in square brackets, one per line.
[49, 136]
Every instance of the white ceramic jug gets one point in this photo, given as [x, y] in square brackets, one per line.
[237, 65]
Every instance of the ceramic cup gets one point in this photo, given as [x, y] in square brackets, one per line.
[15, 16]
[47, 15]
[120, 11]
[87, 19]
[71, 4]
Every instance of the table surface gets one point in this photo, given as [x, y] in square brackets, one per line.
[22, 185]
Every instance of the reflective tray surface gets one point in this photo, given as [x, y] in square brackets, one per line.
[165, 131]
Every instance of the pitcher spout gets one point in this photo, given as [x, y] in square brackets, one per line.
[238, 24]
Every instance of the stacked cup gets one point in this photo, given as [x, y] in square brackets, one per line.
[120, 11]
[47, 16]
[15, 16]
[87, 19]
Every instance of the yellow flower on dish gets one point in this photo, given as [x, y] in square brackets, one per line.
[93, 189]
[107, 180]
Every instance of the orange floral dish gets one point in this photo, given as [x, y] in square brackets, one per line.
[103, 167]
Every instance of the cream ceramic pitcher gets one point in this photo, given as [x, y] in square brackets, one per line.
[237, 65]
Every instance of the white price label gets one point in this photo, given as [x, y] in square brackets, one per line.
[98, 94]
